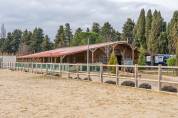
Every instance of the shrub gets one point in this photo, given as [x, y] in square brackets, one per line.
[169, 89]
[145, 85]
[57, 75]
[171, 61]
[128, 83]
[77, 78]
[110, 82]
[87, 79]
[112, 61]
[142, 59]
[70, 78]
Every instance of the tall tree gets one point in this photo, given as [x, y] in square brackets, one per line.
[153, 42]
[172, 33]
[24, 46]
[16, 35]
[46, 44]
[96, 27]
[77, 39]
[163, 43]
[106, 32]
[7, 43]
[140, 30]
[148, 25]
[60, 37]
[127, 32]
[37, 39]
[2, 40]
[88, 29]
[68, 35]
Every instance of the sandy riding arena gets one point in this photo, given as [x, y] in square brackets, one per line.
[26, 95]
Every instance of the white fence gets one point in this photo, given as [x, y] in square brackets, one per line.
[156, 76]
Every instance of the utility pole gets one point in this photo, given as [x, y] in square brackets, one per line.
[88, 71]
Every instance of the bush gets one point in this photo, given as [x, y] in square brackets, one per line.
[87, 79]
[141, 58]
[145, 85]
[112, 61]
[77, 78]
[171, 61]
[57, 75]
[70, 78]
[110, 82]
[128, 83]
[169, 89]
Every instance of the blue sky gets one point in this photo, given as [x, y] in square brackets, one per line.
[49, 14]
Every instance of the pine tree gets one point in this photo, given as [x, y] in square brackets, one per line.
[171, 33]
[163, 43]
[16, 35]
[148, 25]
[153, 42]
[88, 29]
[7, 43]
[140, 30]
[77, 39]
[60, 37]
[96, 28]
[68, 35]
[24, 46]
[106, 32]
[37, 39]
[46, 44]
[127, 32]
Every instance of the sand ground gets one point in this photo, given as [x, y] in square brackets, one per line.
[26, 95]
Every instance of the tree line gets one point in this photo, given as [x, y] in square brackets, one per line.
[150, 33]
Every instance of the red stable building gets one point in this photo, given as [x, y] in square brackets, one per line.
[98, 53]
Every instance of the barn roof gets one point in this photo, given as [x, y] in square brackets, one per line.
[70, 50]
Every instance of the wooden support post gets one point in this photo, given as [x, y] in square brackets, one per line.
[159, 77]
[92, 57]
[133, 54]
[117, 75]
[101, 73]
[136, 75]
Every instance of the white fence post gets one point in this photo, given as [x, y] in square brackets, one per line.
[136, 75]
[159, 77]
[101, 73]
[60, 66]
[46, 68]
[117, 75]
[77, 71]
[68, 71]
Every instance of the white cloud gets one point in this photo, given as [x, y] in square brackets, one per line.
[49, 14]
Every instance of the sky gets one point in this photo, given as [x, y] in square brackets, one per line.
[49, 14]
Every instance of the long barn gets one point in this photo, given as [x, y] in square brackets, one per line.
[98, 53]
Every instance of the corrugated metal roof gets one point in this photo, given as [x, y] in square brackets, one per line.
[69, 50]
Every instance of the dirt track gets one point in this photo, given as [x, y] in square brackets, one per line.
[25, 95]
